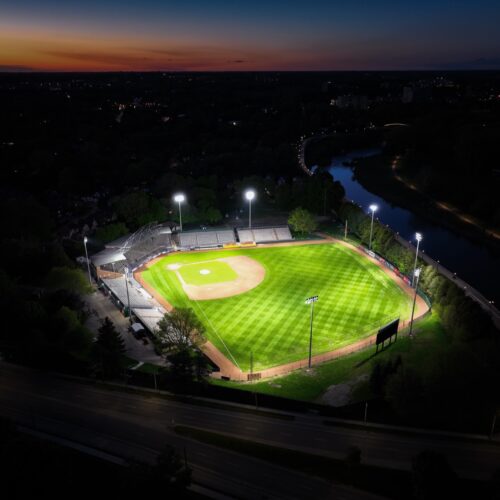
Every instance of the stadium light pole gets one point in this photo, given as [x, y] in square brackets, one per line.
[128, 296]
[416, 275]
[250, 195]
[418, 237]
[180, 198]
[85, 239]
[373, 209]
[311, 300]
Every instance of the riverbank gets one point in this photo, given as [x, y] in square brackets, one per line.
[375, 175]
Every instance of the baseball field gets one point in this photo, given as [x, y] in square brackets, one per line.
[252, 301]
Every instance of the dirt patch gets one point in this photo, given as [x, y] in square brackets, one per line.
[250, 274]
[340, 394]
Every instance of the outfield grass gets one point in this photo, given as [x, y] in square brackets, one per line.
[271, 320]
[310, 386]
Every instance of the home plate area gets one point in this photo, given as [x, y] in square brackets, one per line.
[219, 278]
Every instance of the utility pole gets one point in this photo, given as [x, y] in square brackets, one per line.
[87, 258]
[311, 301]
[345, 230]
[373, 209]
[128, 295]
[418, 237]
[417, 275]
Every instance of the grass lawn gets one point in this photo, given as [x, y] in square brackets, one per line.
[429, 334]
[272, 320]
[206, 273]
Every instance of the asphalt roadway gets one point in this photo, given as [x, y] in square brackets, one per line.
[137, 426]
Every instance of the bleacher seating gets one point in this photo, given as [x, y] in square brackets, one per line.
[245, 235]
[188, 240]
[226, 237]
[283, 233]
[264, 235]
[207, 239]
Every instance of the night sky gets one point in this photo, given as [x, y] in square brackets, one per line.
[102, 35]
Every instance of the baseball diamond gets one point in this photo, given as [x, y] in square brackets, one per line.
[268, 317]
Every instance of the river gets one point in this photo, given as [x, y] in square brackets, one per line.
[472, 262]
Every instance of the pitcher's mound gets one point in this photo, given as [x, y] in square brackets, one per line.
[249, 274]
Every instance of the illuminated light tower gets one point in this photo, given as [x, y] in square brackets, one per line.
[180, 198]
[85, 239]
[250, 195]
[128, 295]
[311, 301]
[418, 237]
[416, 274]
[373, 209]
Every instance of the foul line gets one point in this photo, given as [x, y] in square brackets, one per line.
[186, 301]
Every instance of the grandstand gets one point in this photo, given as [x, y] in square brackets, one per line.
[205, 239]
[154, 239]
[265, 234]
[133, 250]
[139, 299]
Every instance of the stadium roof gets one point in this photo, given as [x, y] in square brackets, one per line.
[107, 256]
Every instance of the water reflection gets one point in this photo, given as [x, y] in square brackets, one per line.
[472, 262]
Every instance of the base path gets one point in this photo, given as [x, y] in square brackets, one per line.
[228, 369]
[421, 308]
[250, 274]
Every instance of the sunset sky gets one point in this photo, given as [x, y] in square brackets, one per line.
[122, 35]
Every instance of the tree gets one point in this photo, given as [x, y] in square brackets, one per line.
[68, 279]
[302, 221]
[109, 349]
[433, 478]
[111, 232]
[139, 208]
[179, 330]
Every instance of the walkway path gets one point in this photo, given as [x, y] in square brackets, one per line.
[100, 307]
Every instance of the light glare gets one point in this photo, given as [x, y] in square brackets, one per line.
[250, 194]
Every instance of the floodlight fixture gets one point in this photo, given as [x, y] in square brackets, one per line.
[416, 274]
[85, 239]
[373, 209]
[180, 198]
[249, 195]
[418, 237]
[311, 301]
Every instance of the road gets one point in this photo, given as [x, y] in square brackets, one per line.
[138, 425]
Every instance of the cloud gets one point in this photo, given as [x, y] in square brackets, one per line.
[8, 68]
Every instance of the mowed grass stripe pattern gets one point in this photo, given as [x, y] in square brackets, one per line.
[272, 320]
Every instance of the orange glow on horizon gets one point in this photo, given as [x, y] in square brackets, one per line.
[39, 50]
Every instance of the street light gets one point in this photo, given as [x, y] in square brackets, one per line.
[373, 209]
[416, 274]
[250, 195]
[128, 296]
[418, 237]
[311, 300]
[180, 198]
[85, 239]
